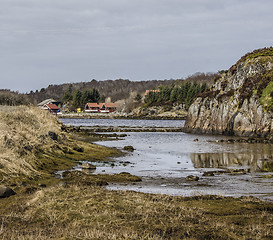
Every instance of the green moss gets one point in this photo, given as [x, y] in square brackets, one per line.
[263, 52]
[90, 212]
[266, 99]
[83, 179]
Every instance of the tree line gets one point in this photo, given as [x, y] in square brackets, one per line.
[78, 98]
[11, 98]
[184, 94]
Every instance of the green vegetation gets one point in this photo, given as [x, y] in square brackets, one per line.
[79, 98]
[260, 85]
[263, 52]
[266, 98]
[91, 212]
[185, 94]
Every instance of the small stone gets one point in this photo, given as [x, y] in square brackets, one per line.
[208, 174]
[87, 165]
[196, 140]
[192, 178]
[53, 135]
[6, 191]
[129, 148]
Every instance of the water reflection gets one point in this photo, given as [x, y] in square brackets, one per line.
[256, 159]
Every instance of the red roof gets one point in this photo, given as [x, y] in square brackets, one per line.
[153, 91]
[99, 105]
[52, 106]
[94, 105]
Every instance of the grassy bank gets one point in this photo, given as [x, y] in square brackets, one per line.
[81, 212]
[33, 146]
[79, 207]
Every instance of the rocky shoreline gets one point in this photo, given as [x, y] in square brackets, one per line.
[240, 102]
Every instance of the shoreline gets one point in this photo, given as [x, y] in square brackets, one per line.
[113, 116]
[79, 207]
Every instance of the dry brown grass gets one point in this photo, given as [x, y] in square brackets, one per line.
[23, 132]
[26, 150]
[78, 212]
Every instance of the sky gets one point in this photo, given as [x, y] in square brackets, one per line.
[44, 42]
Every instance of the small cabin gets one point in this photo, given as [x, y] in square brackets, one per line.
[100, 107]
[52, 108]
[92, 107]
[49, 101]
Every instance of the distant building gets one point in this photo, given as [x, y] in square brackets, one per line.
[48, 101]
[50, 105]
[52, 108]
[100, 107]
[151, 91]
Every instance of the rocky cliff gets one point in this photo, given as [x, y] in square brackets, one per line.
[241, 100]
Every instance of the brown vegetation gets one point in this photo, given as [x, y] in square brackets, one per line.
[89, 212]
[77, 208]
[27, 149]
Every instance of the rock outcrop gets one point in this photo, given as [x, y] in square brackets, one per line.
[160, 112]
[240, 102]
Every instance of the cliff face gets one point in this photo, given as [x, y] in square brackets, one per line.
[240, 102]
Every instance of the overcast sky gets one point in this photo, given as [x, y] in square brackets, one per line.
[46, 42]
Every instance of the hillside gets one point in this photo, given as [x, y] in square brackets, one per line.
[33, 145]
[115, 89]
[240, 102]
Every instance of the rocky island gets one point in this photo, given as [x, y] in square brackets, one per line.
[240, 102]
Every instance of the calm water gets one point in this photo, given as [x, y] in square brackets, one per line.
[164, 160]
[124, 122]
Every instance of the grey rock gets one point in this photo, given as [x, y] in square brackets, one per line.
[6, 191]
[226, 110]
[87, 165]
[192, 178]
[53, 135]
[129, 148]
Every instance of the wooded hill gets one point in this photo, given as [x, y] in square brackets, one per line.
[116, 89]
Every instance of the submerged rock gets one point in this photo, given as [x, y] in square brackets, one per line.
[208, 174]
[129, 148]
[192, 178]
[6, 191]
[87, 165]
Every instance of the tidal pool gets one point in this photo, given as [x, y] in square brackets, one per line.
[164, 160]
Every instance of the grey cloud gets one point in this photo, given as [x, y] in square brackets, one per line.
[52, 41]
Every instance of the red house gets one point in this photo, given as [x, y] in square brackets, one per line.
[100, 107]
[151, 91]
[52, 108]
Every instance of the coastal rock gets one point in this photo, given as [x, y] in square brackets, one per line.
[240, 102]
[6, 191]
